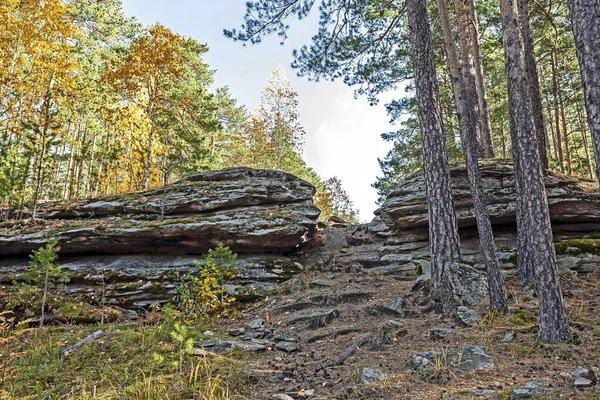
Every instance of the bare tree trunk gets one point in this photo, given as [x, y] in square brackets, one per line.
[485, 134]
[553, 324]
[443, 232]
[45, 128]
[585, 16]
[558, 142]
[567, 148]
[585, 143]
[465, 90]
[534, 82]
[148, 160]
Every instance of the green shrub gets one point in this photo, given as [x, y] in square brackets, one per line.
[202, 294]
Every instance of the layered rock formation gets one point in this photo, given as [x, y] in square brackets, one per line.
[396, 241]
[572, 208]
[251, 211]
[134, 247]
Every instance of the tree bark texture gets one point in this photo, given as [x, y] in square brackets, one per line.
[553, 324]
[485, 135]
[585, 17]
[443, 232]
[534, 82]
[465, 90]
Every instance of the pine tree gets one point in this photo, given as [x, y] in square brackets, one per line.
[554, 327]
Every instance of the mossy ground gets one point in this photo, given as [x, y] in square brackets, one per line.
[129, 361]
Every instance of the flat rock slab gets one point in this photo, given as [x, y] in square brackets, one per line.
[467, 317]
[221, 346]
[317, 318]
[530, 389]
[467, 359]
[288, 347]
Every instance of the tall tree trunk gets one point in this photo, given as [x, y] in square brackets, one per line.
[45, 128]
[553, 324]
[465, 90]
[567, 148]
[443, 232]
[485, 125]
[148, 160]
[585, 142]
[585, 16]
[558, 142]
[534, 83]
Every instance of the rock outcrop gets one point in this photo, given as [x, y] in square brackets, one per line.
[132, 249]
[572, 208]
[251, 211]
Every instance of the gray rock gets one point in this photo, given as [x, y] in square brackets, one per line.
[529, 389]
[584, 377]
[490, 394]
[583, 382]
[317, 318]
[236, 332]
[467, 317]
[469, 285]
[335, 239]
[281, 396]
[369, 375]
[468, 358]
[509, 337]
[287, 336]
[287, 346]
[442, 333]
[295, 285]
[394, 307]
[320, 283]
[249, 346]
[256, 323]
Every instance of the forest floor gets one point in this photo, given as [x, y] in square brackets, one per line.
[156, 359]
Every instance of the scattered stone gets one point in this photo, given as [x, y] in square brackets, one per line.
[467, 317]
[286, 336]
[236, 332]
[368, 375]
[281, 396]
[481, 393]
[584, 377]
[442, 333]
[295, 285]
[581, 383]
[217, 346]
[309, 392]
[249, 346]
[392, 330]
[287, 346]
[321, 283]
[529, 389]
[255, 324]
[209, 333]
[509, 337]
[468, 359]
[317, 318]
[394, 307]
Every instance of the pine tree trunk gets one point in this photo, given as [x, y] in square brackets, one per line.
[45, 129]
[553, 325]
[443, 232]
[534, 82]
[486, 139]
[465, 90]
[585, 16]
[558, 142]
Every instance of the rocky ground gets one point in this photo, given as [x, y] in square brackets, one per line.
[352, 333]
[339, 310]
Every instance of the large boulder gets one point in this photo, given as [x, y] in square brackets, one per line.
[249, 210]
[571, 206]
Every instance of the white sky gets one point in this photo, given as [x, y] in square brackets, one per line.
[342, 134]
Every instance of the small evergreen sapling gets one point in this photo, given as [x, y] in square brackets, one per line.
[44, 271]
